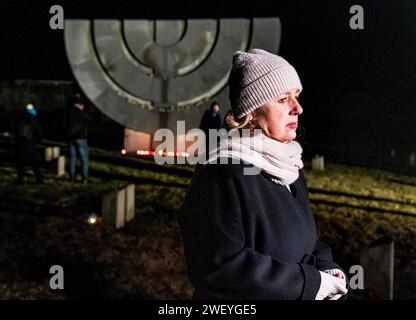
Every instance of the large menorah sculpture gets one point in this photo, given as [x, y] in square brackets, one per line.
[148, 74]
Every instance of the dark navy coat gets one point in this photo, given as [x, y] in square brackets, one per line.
[246, 237]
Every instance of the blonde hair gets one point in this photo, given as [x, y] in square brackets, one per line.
[245, 122]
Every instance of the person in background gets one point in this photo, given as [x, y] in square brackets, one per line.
[77, 132]
[28, 134]
[211, 120]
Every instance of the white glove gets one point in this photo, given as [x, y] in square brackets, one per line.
[340, 274]
[331, 287]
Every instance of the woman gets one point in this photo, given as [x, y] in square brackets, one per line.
[252, 236]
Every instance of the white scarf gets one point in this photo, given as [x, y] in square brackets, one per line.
[281, 160]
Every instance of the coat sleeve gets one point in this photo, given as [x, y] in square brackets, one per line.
[321, 251]
[218, 261]
[323, 256]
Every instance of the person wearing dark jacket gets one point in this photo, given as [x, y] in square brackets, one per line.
[211, 120]
[28, 134]
[251, 235]
[77, 131]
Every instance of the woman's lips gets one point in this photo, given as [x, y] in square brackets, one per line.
[293, 125]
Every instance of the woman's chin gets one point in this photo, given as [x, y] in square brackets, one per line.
[290, 136]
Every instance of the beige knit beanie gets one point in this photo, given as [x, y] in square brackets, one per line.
[256, 77]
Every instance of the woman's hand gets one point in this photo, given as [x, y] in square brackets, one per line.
[339, 274]
[332, 287]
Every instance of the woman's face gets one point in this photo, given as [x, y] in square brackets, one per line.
[278, 118]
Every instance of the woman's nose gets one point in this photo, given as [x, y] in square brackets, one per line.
[296, 107]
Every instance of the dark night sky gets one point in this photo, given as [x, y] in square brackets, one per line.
[314, 32]
[359, 85]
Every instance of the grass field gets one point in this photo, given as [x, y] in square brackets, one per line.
[44, 225]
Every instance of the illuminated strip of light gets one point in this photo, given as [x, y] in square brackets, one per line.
[160, 152]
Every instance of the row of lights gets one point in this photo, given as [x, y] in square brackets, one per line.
[161, 153]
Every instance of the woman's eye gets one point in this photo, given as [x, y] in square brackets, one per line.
[282, 100]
